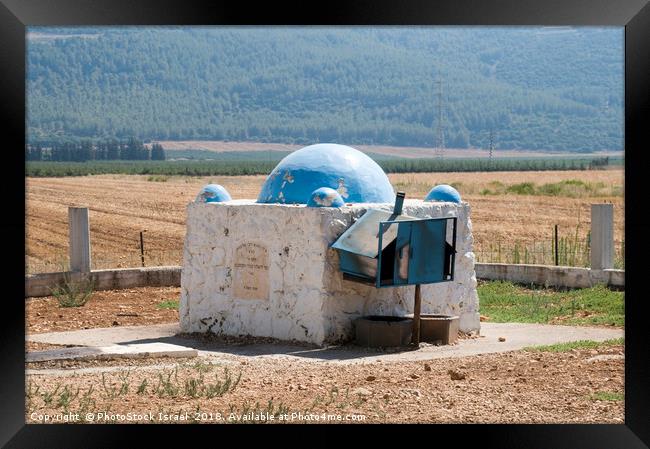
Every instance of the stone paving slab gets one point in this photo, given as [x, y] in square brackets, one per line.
[105, 336]
[112, 351]
[517, 336]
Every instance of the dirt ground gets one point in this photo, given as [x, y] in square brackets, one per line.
[104, 309]
[497, 388]
[121, 206]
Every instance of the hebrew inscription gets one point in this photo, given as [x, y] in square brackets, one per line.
[251, 272]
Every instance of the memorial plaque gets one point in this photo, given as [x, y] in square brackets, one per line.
[251, 272]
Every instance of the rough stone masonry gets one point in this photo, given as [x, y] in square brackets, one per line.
[267, 270]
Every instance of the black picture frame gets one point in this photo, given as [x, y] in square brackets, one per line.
[634, 15]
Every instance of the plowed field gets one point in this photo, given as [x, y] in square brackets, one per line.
[121, 206]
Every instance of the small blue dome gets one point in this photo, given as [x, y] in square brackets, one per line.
[443, 192]
[325, 197]
[354, 175]
[213, 193]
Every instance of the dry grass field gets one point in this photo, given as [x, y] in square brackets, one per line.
[121, 206]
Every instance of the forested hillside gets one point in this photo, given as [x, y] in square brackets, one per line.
[535, 88]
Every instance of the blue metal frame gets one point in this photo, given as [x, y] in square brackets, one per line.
[415, 274]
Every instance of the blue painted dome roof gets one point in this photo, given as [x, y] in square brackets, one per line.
[348, 171]
[325, 197]
[443, 192]
[213, 193]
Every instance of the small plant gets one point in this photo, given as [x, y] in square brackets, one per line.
[318, 400]
[73, 293]
[66, 397]
[193, 387]
[48, 397]
[333, 394]
[124, 378]
[220, 388]
[142, 388]
[166, 387]
[31, 393]
[87, 402]
[203, 367]
[169, 304]
[345, 403]
[111, 392]
[282, 409]
[358, 401]
[607, 396]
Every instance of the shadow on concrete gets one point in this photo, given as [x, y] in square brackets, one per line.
[249, 347]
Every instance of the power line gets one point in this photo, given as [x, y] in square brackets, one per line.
[440, 137]
[491, 147]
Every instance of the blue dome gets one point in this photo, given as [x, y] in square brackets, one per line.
[443, 192]
[213, 193]
[325, 197]
[355, 176]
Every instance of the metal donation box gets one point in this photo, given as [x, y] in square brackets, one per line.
[390, 249]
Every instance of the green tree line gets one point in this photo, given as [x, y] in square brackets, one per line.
[264, 167]
[85, 150]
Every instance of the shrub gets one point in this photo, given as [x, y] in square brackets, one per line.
[551, 189]
[153, 178]
[524, 188]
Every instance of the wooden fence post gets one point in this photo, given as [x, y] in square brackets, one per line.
[79, 231]
[142, 247]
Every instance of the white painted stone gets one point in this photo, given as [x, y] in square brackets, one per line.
[306, 298]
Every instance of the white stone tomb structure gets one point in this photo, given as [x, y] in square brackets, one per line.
[266, 269]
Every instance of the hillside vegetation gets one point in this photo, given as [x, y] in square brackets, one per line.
[535, 88]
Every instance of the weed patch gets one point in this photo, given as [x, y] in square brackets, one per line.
[505, 302]
[169, 304]
[580, 344]
[607, 396]
[73, 293]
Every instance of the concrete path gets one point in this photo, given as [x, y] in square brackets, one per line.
[517, 336]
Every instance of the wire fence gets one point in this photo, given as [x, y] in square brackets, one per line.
[109, 260]
[570, 252]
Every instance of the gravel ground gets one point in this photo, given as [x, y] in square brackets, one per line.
[579, 386]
